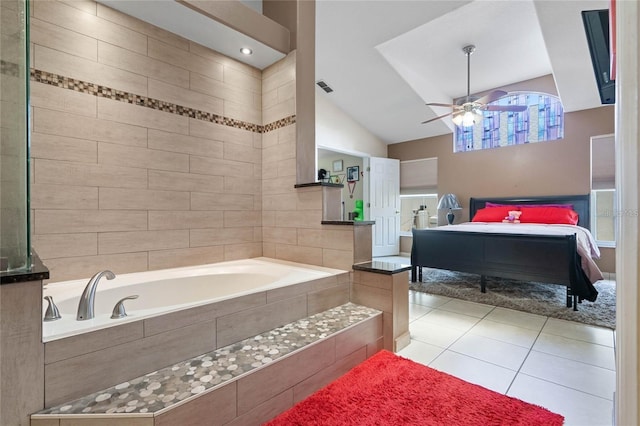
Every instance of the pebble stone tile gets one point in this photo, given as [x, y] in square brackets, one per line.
[160, 389]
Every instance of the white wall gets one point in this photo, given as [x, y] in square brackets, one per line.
[335, 130]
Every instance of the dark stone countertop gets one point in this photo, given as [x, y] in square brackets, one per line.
[379, 267]
[349, 222]
[37, 272]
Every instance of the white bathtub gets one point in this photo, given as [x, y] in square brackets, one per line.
[169, 290]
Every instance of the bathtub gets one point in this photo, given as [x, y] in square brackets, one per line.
[169, 290]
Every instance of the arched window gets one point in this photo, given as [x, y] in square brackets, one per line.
[542, 121]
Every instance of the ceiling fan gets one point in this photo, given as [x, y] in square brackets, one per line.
[470, 109]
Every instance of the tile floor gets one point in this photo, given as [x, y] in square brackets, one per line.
[564, 366]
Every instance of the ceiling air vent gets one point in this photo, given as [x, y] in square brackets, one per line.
[324, 86]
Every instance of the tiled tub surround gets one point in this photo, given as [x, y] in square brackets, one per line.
[159, 391]
[140, 346]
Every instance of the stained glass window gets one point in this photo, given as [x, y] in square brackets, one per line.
[542, 121]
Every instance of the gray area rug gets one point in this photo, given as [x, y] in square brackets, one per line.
[537, 298]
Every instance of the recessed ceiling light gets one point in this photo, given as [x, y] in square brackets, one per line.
[246, 51]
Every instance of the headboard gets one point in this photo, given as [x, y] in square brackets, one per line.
[581, 204]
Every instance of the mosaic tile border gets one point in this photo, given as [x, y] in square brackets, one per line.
[185, 380]
[144, 101]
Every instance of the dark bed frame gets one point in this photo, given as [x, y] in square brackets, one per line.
[541, 258]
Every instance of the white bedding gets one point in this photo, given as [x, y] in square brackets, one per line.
[587, 247]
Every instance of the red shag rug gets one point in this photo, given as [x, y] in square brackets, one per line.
[390, 390]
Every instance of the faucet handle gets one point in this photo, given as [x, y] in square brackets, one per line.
[52, 312]
[118, 310]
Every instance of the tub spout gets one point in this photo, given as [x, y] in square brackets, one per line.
[87, 300]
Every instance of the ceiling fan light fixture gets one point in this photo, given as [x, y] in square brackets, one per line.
[468, 119]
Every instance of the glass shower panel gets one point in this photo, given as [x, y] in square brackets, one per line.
[14, 130]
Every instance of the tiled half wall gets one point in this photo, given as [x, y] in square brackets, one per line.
[150, 151]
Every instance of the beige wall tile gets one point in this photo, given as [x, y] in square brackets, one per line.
[219, 89]
[265, 411]
[264, 384]
[181, 96]
[45, 422]
[307, 219]
[359, 336]
[241, 80]
[107, 421]
[142, 27]
[209, 312]
[338, 239]
[64, 100]
[81, 344]
[275, 153]
[284, 202]
[88, 6]
[328, 375]
[373, 297]
[162, 259]
[123, 242]
[141, 116]
[208, 130]
[338, 259]
[242, 251]
[280, 235]
[219, 236]
[182, 219]
[72, 221]
[242, 153]
[242, 112]
[175, 142]
[63, 148]
[141, 64]
[45, 34]
[233, 185]
[309, 237]
[64, 197]
[69, 379]
[22, 351]
[371, 279]
[211, 201]
[67, 173]
[239, 219]
[127, 156]
[241, 325]
[213, 408]
[279, 111]
[84, 21]
[301, 254]
[142, 199]
[274, 79]
[311, 200]
[279, 185]
[219, 167]
[322, 300]
[86, 70]
[64, 124]
[50, 246]
[206, 66]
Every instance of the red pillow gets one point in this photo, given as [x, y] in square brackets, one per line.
[492, 214]
[549, 215]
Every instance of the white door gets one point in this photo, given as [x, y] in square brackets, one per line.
[384, 209]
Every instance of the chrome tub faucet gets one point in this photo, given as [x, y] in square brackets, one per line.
[88, 298]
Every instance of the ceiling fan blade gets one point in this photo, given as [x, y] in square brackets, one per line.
[511, 108]
[437, 118]
[441, 105]
[493, 96]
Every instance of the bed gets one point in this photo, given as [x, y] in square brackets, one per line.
[503, 250]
